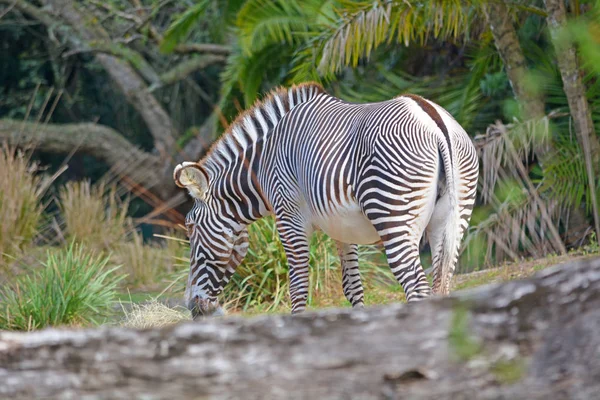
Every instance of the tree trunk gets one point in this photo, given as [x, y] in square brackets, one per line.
[507, 43]
[575, 91]
[531, 339]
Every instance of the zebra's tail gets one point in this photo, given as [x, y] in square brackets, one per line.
[448, 216]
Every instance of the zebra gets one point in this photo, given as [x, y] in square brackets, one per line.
[383, 172]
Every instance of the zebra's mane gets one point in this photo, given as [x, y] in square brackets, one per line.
[243, 131]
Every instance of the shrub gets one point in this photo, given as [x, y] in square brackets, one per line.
[94, 214]
[21, 191]
[72, 287]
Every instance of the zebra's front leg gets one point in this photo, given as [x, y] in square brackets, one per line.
[294, 239]
[351, 282]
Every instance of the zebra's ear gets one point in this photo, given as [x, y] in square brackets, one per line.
[189, 175]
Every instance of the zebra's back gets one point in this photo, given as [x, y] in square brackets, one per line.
[330, 155]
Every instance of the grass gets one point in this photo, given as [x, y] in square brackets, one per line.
[72, 287]
[515, 270]
[261, 281]
[146, 264]
[94, 214]
[260, 284]
[21, 206]
[153, 314]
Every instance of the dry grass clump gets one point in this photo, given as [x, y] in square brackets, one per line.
[146, 264]
[153, 314]
[21, 206]
[94, 214]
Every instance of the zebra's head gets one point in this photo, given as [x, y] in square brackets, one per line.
[213, 240]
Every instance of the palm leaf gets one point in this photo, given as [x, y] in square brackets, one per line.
[263, 23]
[363, 26]
[182, 25]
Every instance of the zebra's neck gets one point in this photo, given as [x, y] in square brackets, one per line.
[232, 161]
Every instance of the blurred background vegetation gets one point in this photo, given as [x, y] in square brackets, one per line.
[100, 99]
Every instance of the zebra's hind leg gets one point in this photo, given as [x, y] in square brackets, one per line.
[351, 282]
[400, 233]
[295, 243]
[402, 252]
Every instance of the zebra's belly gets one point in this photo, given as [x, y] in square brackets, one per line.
[348, 225]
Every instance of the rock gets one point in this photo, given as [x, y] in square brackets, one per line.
[538, 338]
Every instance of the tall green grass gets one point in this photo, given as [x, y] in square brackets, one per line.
[72, 287]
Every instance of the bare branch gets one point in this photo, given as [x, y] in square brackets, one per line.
[114, 11]
[187, 67]
[187, 48]
[7, 10]
[134, 58]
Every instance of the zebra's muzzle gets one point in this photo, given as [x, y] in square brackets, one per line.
[204, 308]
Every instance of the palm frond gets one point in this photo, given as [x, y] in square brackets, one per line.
[263, 23]
[249, 74]
[458, 91]
[496, 150]
[363, 26]
[516, 227]
[565, 177]
[182, 25]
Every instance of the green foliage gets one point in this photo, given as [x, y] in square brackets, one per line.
[363, 25]
[262, 23]
[72, 287]
[461, 342]
[181, 26]
[509, 371]
[271, 46]
[565, 177]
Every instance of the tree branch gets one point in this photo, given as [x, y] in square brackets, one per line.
[99, 141]
[185, 68]
[134, 58]
[129, 82]
[187, 48]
